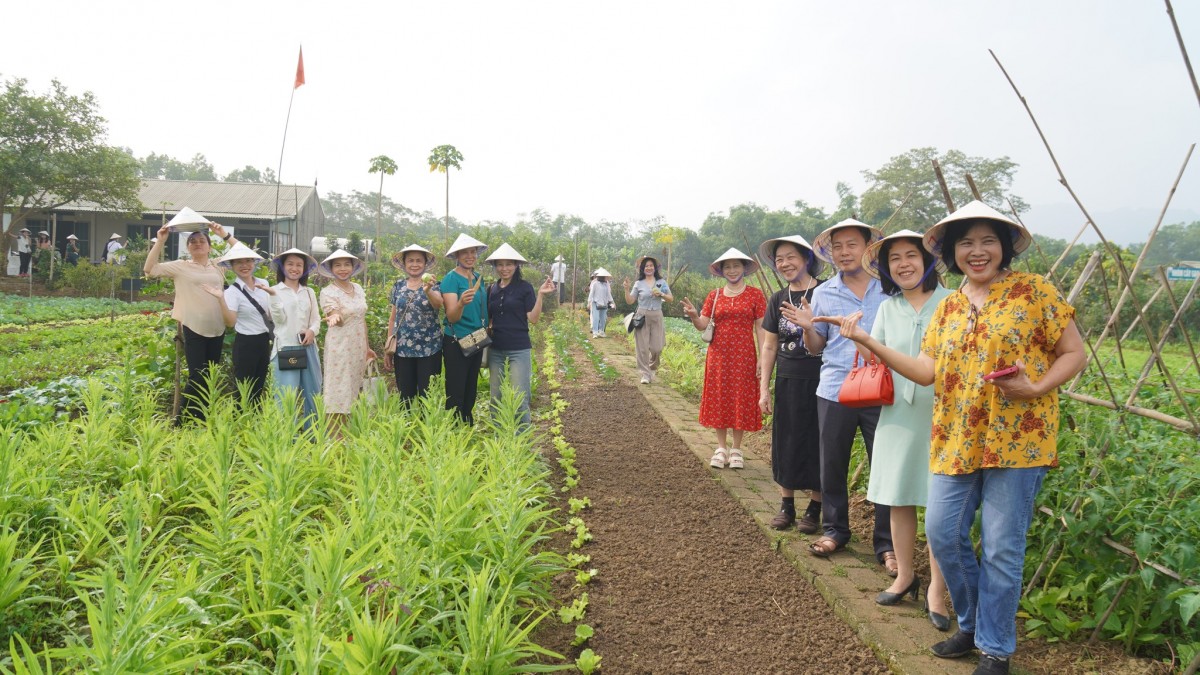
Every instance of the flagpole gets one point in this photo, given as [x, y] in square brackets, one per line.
[279, 173]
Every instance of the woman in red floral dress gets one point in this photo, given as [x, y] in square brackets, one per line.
[729, 401]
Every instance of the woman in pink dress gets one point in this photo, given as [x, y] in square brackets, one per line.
[346, 349]
[729, 401]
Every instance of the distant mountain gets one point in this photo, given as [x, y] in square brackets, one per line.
[1126, 225]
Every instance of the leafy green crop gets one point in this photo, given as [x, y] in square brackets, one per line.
[19, 311]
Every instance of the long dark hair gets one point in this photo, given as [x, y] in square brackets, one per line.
[657, 268]
[280, 277]
[929, 278]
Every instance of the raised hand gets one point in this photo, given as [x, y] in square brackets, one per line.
[265, 285]
[163, 233]
[688, 308]
[801, 315]
[547, 286]
[213, 290]
[847, 325]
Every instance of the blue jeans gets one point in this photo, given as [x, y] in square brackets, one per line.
[520, 374]
[307, 382]
[986, 592]
[599, 319]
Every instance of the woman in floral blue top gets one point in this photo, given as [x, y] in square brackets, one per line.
[414, 345]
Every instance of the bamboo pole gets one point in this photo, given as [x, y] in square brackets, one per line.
[1181, 424]
[1186, 61]
[1133, 567]
[1157, 351]
[1063, 255]
[1166, 285]
[941, 179]
[974, 188]
[762, 277]
[1145, 308]
[883, 228]
[1111, 311]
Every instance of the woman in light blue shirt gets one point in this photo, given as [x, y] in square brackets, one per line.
[648, 292]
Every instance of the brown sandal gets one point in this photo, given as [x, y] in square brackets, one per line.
[821, 548]
[890, 564]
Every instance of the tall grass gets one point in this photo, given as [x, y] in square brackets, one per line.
[250, 545]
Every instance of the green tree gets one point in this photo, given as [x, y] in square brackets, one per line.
[384, 166]
[913, 172]
[52, 152]
[169, 168]
[354, 244]
[249, 174]
[442, 158]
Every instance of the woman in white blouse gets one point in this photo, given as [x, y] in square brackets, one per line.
[244, 307]
[297, 320]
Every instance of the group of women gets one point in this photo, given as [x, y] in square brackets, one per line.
[974, 421]
[431, 324]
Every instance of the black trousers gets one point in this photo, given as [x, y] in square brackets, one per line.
[25, 258]
[838, 425]
[413, 374]
[251, 361]
[201, 353]
[462, 378]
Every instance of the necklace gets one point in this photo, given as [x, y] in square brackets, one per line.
[734, 295]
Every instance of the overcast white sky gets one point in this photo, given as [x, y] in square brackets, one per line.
[631, 110]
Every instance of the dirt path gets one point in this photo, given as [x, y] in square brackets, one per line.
[687, 583]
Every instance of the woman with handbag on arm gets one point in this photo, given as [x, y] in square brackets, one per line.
[996, 352]
[295, 363]
[244, 306]
[795, 443]
[513, 304]
[600, 300]
[900, 465]
[346, 348]
[648, 294]
[732, 324]
[201, 322]
[414, 342]
[464, 332]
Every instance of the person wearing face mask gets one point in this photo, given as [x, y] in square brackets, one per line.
[466, 312]
[648, 294]
[996, 351]
[795, 443]
[850, 290]
[244, 307]
[512, 305]
[201, 321]
[297, 318]
[729, 400]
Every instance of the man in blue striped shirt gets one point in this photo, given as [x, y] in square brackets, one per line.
[850, 290]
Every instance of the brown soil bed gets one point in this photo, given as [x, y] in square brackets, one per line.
[687, 583]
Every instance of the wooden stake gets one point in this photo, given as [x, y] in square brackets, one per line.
[762, 277]
[1166, 285]
[937, 171]
[883, 228]
[1186, 61]
[974, 189]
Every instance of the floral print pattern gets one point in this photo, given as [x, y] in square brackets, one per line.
[974, 425]
[418, 332]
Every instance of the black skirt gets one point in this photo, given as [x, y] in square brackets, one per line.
[795, 441]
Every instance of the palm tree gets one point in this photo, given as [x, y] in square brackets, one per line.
[384, 166]
[441, 159]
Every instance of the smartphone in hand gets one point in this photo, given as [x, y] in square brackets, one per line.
[1003, 372]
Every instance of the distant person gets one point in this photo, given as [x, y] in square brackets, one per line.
[795, 442]
[600, 300]
[43, 241]
[72, 250]
[647, 294]
[466, 313]
[112, 250]
[414, 333]
[996, 352]
[347, 350]
[729, 401]
[24, 250]
[558, 272]
[199, 314]
[849, 290]
[297, 317]
[512, 305]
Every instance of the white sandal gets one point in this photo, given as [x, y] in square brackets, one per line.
[718, 459]
[735, 459]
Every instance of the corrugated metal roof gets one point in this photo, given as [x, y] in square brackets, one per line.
[216, 199]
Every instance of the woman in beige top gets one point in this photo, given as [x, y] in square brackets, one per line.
[198, 313]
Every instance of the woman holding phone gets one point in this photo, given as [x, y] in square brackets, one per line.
[466, 313]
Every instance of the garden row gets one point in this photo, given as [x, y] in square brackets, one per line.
[1126, 481]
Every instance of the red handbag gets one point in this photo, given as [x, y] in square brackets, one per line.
[867, 385]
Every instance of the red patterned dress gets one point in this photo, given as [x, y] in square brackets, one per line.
[730, 396]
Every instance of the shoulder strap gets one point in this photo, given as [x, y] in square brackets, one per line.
[266, 317]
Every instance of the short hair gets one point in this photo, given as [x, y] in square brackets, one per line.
[929, 281]
[956, 230]
[864, 231]
[280, 277]
[805, 252]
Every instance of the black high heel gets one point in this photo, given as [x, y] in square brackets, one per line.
[914, 589]
[939, 621]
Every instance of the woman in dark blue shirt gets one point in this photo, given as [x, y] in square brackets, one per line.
[512, 306]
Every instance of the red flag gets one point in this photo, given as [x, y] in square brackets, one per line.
[299, 70]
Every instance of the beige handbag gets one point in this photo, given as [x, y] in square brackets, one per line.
[707, 335]
[374, 385]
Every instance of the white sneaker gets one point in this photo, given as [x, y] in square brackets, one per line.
[718, 459]
[736, 461]
[645, 380]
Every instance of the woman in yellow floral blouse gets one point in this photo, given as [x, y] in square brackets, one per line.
[993, 438]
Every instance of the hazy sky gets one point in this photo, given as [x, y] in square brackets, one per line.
[632, 110]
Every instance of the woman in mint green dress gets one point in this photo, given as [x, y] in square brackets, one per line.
[900, 466]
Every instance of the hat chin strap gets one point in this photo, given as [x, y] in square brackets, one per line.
[919, 283]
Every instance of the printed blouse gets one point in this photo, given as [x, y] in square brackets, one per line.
[644, 295]
[974, 425]
[416, 327]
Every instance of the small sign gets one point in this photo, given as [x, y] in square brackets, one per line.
[1183, 273]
